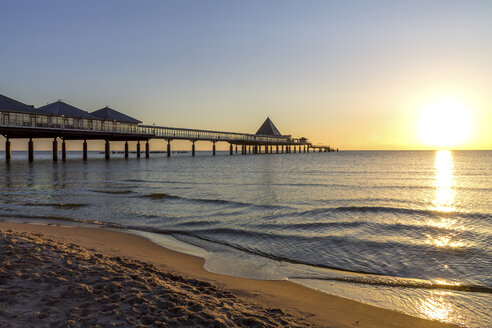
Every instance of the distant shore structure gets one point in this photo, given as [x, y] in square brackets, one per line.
[59, 120]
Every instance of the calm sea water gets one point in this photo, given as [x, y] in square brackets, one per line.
[410, 231]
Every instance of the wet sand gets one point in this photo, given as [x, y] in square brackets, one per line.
[78, 277]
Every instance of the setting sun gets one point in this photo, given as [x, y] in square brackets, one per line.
[445, 124]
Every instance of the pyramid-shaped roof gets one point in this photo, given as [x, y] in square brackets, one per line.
[107, 113]
[268, 129]
[11, 105]
[61, 108]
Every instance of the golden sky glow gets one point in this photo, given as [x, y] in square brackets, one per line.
[354, 75]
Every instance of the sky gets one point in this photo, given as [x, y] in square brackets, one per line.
[350, 74]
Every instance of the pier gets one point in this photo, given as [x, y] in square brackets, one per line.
[61, 121]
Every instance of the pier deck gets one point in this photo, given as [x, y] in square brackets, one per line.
[31, 126]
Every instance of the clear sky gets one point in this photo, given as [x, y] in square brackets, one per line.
[352, 74]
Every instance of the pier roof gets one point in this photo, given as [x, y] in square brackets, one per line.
[268, 129]
[113, 115]
[12, 105]
[61, 108]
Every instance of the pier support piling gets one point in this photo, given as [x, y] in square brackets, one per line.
[213, 148]
[168, 147]
[107, 150]
[8, 151]
[55, 150]
[147, 149]
[126, 150]
[64, 150]
[236, 149]
[138, 149]
[193, 148]
[84, 150]
[30, 147]
[230, 150]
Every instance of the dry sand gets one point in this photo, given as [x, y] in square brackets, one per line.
[53, 276]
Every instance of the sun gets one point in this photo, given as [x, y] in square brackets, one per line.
[444, 123]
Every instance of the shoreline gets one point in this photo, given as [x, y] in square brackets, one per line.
[305, 304]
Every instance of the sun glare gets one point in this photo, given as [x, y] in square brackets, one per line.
[445, 124]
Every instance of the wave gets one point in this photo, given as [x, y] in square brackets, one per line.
[403, 282]
[309, 225]
[323, 185]
[4, 216]
[197, 223]
[159, 196]
[116, 192]
[57, 205]
[395, 210]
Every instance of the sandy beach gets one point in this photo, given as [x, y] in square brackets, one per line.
[78, 277]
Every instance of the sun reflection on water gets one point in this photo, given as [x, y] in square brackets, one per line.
[436, 306]
[444, 182]
[443, 241]
[444, 200]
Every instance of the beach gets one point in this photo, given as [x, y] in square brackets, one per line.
[77, 277]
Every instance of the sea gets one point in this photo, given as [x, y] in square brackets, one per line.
[409, 231]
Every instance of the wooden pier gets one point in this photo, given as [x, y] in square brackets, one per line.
[18, 120]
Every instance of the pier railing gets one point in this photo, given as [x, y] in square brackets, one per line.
[194, 134]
